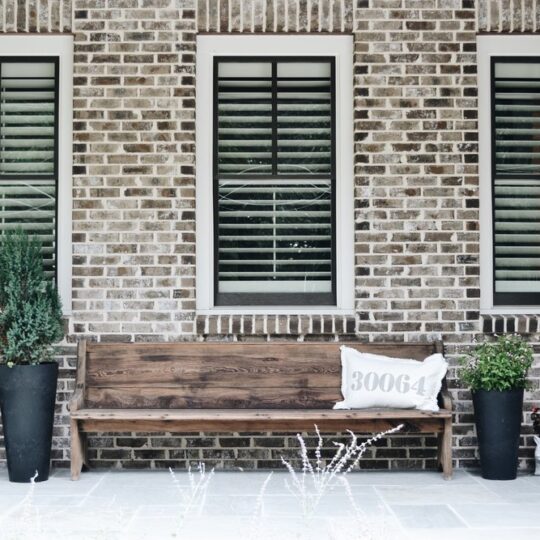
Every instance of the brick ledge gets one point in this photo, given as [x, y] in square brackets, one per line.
[510, 324]
[257, 325]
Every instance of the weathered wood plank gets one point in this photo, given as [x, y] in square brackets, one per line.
[78, 449]
[210, 397]
[260, 420]
[256, 414]
[213, 371]
[228, 426]
[289, 351]
[445, 445]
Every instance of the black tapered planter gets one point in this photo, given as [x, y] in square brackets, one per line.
[498, 423]
[27, 399]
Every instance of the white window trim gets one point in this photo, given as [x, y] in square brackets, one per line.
[62, 47]
[342, 48]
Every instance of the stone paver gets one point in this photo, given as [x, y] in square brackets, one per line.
[378, 505]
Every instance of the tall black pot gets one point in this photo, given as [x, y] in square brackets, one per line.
[498, 423]
[27, 399]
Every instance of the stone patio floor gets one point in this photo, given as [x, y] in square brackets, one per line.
[151, 505]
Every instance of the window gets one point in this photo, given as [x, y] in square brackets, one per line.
[516, 179]
[35, 147]
[274, 169]
[510, 171]
[29, 149]
[276, 173]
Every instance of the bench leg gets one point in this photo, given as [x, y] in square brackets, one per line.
[78, 450]
[445, 450]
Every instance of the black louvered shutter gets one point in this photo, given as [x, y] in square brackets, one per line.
[28, 149]
[274, 174]
[516, 180]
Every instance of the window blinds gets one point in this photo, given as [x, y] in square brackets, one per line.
[274, 175]
[28, 104]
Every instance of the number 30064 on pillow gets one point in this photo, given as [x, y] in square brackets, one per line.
[372, 380]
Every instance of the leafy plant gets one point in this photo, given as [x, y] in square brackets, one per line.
[498, 365]
[30, 308]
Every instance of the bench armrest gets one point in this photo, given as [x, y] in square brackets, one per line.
[77, 400]
[446, 399]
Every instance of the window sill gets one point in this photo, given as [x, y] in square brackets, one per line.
[511, 321]
[506, 311]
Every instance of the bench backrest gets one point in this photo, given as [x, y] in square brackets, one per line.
[221, 375]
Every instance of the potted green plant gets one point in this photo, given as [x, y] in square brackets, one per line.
[30, 323]
[496, 373]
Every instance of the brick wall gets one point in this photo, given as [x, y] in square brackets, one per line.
[134, 190]
[416, 192]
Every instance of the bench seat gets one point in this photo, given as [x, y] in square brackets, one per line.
[234, 387]
[158, 420]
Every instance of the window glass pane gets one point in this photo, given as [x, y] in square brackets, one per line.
[274, 174]
[249, 69]
[244, 109]
[27, 119]
[31, 205]
[304, 118]
[304, 69]
[516, 182]
[275, 237]
[24, 70]
[28, 97]
[517, 118]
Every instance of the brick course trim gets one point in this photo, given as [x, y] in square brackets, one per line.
[510, 324]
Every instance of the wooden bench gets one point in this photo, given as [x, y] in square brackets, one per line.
[232, 387]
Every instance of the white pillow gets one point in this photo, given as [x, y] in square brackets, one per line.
[371, 380]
